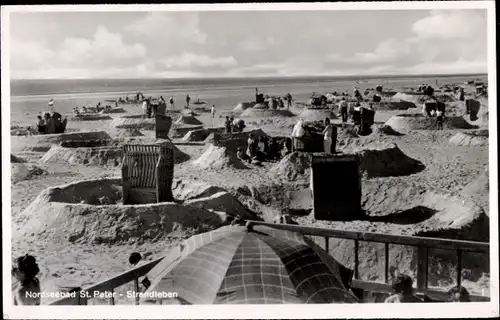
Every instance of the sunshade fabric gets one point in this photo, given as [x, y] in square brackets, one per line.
[232, 265]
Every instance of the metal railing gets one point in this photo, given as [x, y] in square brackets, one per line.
[423, 245]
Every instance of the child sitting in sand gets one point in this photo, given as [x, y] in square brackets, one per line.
[403, 291]
[25, 270]
[459, 294]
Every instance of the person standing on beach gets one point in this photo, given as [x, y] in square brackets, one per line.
[330, 137]
[343, 110]
[228, 125]
[212, 111]
[298, 133]
[439, 119]
[188, 98]
[144, 109]
[288, 100]
[171, 101]
[41, 124]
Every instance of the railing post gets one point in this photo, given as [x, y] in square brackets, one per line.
[422, 267]
[112, 298]
[386, 264]
[459, 267]
[327, 245]
[136, 288]
[356, 259]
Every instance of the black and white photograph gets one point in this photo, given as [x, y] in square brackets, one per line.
[238, 161]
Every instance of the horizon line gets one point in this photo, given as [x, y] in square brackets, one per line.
[265, 77]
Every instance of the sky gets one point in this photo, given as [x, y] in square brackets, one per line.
[162, 44]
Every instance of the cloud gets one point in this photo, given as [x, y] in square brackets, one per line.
[257, 44]
[455, 24]
[193, 61]
[169, 27]
[105, 49]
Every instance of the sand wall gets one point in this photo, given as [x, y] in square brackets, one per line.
[93, 156]
[473, 138]
[134, 122]
[45, 141]
[57, 215]
[421, 122]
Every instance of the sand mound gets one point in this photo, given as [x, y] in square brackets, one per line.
[133, 122]
[90, 117]
[375, 160]
[113, 110]
[384, 160]
[414, 98]
[75, 213]
[317, 114]
[421, 122]
[473, 138]
[242, 106]
[479, 190]
[385, 129]
[293, 167]
[180, 130]
[393, 104]
[126, 133]
[255, 112]
[96, 156]
[21, 171]
[45, 141]
[103, 153]
[188, 120]
[201, 134]
[218, 157]
[188, 112]
[14, 159]
[346, 136]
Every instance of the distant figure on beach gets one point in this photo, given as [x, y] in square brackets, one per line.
[25, 270]
[51, 102]
[330, 137]
[251, 147]
[212, 111]
[49, 124]
[188, 98]
[162, 106]
[41, 125]
[343, 110]
[144, 109]
[171, 101]
[459, 294]
[462, 94]
[242, 155]
[298, 133]
[281, 103]
[228, 124]
[288, 100]
[262, 148]
[403, 291]
[439, 119]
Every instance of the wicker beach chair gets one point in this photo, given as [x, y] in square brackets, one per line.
[336, 187]
[163, 125]
[147, 173]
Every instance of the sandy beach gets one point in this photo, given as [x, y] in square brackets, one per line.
[449, 168]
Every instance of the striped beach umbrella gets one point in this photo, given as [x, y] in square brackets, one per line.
[240, 265]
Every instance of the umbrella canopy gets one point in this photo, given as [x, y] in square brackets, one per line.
[237, 265]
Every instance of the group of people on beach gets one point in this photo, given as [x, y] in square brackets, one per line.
[329, 134]
[51, 122]
[25, 270]
[259, 149]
